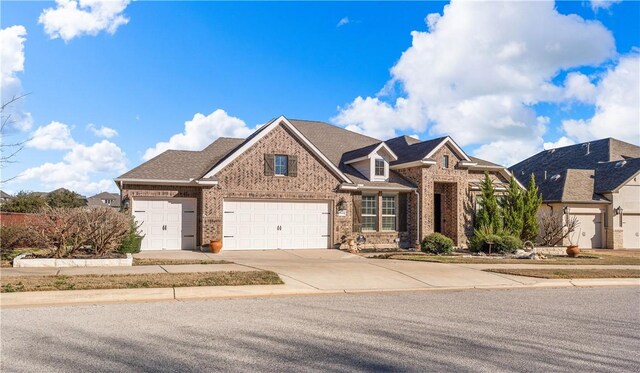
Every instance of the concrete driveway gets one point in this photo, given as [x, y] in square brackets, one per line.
[337, 270]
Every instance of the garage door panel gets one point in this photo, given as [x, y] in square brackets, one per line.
[302, 225]
[631, 231]
[168, 224]
[588, 234]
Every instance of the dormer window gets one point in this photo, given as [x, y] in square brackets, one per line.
[445, 161]
[379, 167]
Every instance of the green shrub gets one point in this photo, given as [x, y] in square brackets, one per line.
[132, 241]
[509, 244]
[437, 243]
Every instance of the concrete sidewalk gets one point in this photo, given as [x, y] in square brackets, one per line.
[304, 272]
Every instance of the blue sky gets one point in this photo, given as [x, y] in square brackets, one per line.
[143, 69]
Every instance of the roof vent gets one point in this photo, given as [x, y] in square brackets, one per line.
[555, 177]
[588, 145]
[620, 164]
[545, 174]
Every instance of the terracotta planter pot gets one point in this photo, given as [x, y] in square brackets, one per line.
[573, 251]
[215, 246]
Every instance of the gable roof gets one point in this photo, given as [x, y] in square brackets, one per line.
[261, 132]
[182, 165]
[5, 195]
[410, 149]
[558, 176]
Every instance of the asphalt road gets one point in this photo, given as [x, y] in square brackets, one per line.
[542, 330]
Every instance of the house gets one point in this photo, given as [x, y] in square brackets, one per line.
[104, 199]
[598, 183]
[296, 184]
[5, 197]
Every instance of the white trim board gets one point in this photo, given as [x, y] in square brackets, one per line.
[263, 131]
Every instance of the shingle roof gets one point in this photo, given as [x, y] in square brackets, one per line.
[409, 149]
[5, 195]
[609, 176]
[332, 141]
[359, 153]
[395, 180]
[98, 198]
[557, 170]
[183, 164]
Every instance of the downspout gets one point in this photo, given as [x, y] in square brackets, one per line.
[417, 218]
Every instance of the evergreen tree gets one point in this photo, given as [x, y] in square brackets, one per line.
[513, 208]
[489, 213]
[65, 198]
[24, 202]
[532, 201]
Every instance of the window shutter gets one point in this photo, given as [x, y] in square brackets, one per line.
[402, 212]
[357, 212]
[268, 164]
[292, 165]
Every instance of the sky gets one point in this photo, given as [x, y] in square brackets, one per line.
[111, 84]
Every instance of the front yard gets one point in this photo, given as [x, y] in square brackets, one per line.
[588, 258]
[11, 284]
[568, 273]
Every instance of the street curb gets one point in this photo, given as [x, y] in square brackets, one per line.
[77, 297]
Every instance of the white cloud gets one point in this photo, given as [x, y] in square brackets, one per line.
[201, 131]
[73, 18]
[578, 86]
[102, 131]
[563, 141]
[53, 136]
[478, 70]
[617, 101]
[78, 168]
[603, 4]
[12, 56]
[343, 21]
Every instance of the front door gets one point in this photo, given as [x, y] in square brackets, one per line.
[437, 212]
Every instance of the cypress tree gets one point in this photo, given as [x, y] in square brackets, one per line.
[532, 201]
[513, 208]
[489, 213]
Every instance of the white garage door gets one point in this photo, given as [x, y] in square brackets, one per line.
[631, 234]
[588, 234]
[260, 225]
[168, 224]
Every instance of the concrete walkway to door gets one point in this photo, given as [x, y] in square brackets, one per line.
[338, 270]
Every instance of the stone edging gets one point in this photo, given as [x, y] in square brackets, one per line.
[20, 262]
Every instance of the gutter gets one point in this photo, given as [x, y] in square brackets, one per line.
[368, 187]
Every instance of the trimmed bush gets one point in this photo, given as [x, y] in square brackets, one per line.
[509, 244]
[437, 243]
[13, 237]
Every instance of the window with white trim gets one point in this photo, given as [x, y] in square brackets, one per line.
[389, 211]
[379, 167]
[369, 212]
[280, 165]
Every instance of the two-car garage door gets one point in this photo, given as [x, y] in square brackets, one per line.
[259, 225]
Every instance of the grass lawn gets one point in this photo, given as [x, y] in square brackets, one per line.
[162, 262]
[148, 280]
[590, 258]
[570, 273]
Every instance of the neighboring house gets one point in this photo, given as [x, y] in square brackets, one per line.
[104, 199]
[598, 183]
[296, 184]
[5, 197]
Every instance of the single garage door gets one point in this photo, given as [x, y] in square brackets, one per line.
[588, 234]
[631, 233]
[260, 225]
[167, 224]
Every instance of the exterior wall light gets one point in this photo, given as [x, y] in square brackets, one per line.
[618, 210]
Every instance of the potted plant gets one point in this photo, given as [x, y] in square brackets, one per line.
[573, 250]
[215, 246]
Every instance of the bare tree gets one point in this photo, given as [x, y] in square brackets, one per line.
[8, 151]
[554, 229]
